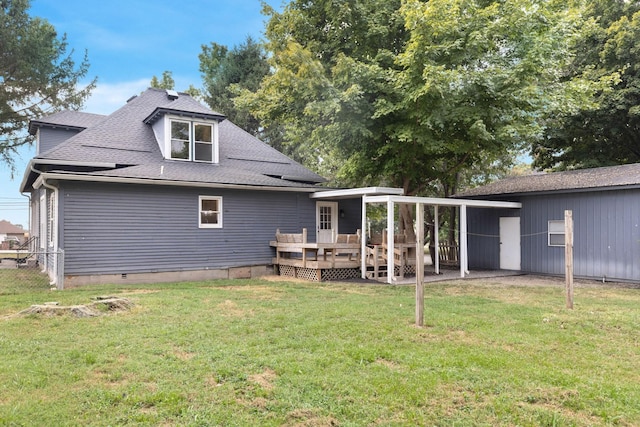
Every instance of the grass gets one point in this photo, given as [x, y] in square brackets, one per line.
[257, 352]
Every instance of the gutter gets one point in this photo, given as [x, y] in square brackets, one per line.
[33, 162]
[29, 213]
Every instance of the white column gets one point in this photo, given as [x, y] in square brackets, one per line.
[436, 240]
[363, 239]
[390, 241]
[463, 240]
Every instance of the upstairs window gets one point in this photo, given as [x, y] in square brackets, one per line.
[203, 140]
[180, 140]
[192, 141]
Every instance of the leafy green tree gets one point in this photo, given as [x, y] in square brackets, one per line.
[225, 72]
[609, 134]
[37, 75]
[167, 82]
[330, 60]
[412, 94]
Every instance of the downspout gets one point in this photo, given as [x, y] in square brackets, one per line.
[45, 184]
[29, 217]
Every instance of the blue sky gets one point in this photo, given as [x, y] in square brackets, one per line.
[128, 42]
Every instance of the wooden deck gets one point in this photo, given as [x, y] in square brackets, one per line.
[341, 259]
[297, 257]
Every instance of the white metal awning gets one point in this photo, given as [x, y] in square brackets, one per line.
[353, 193]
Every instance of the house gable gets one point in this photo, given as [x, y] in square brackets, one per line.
[53, 130]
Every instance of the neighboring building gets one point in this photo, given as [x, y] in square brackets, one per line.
[10, 235]
[165, 189]
[605, 205]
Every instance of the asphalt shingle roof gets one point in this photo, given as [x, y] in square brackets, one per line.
[73, 119]
[7, 228]
[123, 138]
[583, 179]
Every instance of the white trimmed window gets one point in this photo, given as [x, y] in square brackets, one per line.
[556, 233]
[210, 212]
[192, 141]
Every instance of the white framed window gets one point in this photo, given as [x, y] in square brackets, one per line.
[210, 212]
[203, 142]
[180, 140]
[192, 141]
[556, 232]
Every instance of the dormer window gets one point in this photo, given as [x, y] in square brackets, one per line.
[192, 140]
[185, 135]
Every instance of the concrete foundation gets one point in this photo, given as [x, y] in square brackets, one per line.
[247, 272]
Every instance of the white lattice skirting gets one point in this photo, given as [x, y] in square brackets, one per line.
[317, 275]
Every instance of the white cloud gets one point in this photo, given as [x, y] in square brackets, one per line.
[108, 97]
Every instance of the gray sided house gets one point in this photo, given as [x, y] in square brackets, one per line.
[605, 205]
[165, 189]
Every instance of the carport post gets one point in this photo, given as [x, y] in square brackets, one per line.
[436, 240]
[391, 268]
[363, 240]
[463, 240]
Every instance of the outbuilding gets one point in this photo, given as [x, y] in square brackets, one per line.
[605, 205]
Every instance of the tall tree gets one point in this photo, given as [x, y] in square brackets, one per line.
[37, 75]
[331, 60]
[411, 93]
[225, 71]
[167, 82]
[609, 134]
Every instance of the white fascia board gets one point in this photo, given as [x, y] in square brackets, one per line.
[146, 181]
[350, 193]
[436, 201]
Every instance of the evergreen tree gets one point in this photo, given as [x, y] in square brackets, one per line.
[37, 75]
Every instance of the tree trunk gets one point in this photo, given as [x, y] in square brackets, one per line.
[430, 230]
[406, 222]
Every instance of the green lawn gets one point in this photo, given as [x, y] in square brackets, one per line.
[257, 352]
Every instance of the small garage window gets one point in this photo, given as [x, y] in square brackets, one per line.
[556, 233]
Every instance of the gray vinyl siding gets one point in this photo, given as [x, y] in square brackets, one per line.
[126, 228]
[606, 234]
[483, 236]
[49, 138]
[351, 222]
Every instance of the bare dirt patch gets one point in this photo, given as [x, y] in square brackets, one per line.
[308, 418]
[231, 309]
[264, 379]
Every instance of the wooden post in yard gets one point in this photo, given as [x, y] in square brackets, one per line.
[568, 256]
[419, 264]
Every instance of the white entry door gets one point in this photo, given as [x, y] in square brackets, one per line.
[510, 243]
[326, 221]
